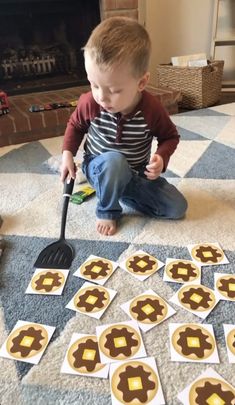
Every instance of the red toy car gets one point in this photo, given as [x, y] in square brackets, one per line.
[4, 103]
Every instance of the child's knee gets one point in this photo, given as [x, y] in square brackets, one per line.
[179, 209]
[115, 162]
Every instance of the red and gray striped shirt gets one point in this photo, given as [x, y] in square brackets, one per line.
[131, 134]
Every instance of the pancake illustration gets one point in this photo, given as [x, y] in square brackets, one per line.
[148, 309]
[211, 391]
[182, 271]
[134, 382]
[231, 341]
[83, 355]
[207, 253]
[119, 342]
[27, 341]
[91, 299]
[226, 286]
[197, 297]
[96, 269]
[193, 342]
[47, 281]
[141, 264]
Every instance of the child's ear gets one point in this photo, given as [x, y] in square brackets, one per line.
[143, 81]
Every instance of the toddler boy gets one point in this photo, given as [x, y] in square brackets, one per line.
[121, 119]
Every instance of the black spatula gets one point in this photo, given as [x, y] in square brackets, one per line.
[58, 255]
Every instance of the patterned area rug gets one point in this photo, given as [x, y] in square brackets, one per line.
[31, 198]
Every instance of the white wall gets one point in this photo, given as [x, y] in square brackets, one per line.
[177, 27]
[226, 29]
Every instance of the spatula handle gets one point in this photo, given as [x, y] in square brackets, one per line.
[68, 189]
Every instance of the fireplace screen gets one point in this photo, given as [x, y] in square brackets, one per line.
[41, 40]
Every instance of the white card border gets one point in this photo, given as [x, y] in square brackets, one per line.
[152, 363]
[98, 314]
[200, 314]
[183, 396]
[33, 359]
[175, 356]
[140, 278]
[59, 291]
[67, 369]
[227, 328]
[191, 246]
[139, 354]
[221, 296]
[102, 281]
[146, 327]
[167, 278]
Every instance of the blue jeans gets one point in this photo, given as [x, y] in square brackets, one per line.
[114, 181]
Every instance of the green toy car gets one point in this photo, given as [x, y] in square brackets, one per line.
[80, 196]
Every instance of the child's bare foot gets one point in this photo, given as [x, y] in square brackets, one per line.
[106, 226]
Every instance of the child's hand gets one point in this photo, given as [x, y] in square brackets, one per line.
[67, 166]
[155, 167]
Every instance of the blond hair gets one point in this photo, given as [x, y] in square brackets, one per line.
[118, 40]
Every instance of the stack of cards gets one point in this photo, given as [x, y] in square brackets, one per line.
[117, 350]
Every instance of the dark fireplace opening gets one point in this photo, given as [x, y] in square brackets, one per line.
[41, 41]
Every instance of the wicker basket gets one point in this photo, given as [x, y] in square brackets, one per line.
[200, 86]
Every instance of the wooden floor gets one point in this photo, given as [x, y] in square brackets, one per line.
[227, 97]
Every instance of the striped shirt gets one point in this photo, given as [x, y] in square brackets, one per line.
[130, 135]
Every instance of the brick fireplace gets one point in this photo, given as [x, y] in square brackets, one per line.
[67, 82]
[49, 80]
[41, 41]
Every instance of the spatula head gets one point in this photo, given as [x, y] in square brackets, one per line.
[58, 255]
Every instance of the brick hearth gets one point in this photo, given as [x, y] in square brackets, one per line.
[21, 126]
